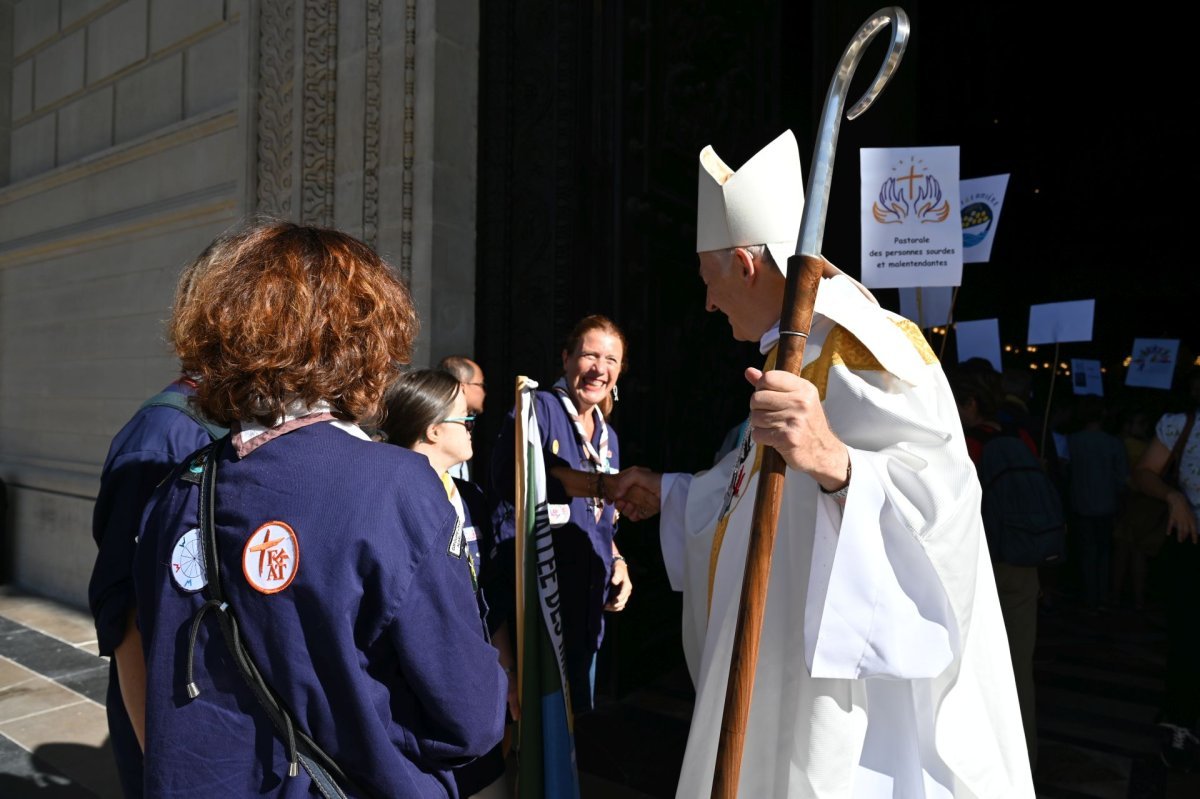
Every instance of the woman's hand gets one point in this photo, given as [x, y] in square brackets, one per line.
[1182, 520]
[620, 580]
[514, 703]
[1147, 478]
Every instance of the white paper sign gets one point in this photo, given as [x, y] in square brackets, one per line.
[928, 306]
[911, 224]
[979, 339]
[1153, 362]
[1061, 321]
[1062, 446]
[981, 199]
[1085, 377]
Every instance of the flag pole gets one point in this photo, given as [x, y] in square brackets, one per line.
[520, 518]
[804, 271]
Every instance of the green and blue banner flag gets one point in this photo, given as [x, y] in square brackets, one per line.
[545, 733]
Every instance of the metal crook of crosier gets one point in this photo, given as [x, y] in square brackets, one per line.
[820, 176]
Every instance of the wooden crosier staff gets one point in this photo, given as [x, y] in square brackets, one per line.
[804, 270]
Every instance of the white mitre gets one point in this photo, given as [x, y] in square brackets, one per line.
[761, 203]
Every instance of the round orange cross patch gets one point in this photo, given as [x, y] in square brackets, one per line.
[271, 557]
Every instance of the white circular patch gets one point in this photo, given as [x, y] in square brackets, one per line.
[559, 514]
[187, 562]
[271, 557]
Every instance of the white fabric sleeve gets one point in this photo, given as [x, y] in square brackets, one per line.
[671, 527]
[875, 605]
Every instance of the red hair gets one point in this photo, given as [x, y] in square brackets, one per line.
[278, 313]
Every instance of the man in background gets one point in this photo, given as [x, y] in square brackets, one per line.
[470, 378]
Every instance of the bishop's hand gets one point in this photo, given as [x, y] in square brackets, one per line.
[786, 413]
[636, 492]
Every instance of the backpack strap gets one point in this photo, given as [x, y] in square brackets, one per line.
[179, 401]
[1010, 464]
[302, 750]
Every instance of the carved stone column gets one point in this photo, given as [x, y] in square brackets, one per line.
[365, 118]
[296, 109]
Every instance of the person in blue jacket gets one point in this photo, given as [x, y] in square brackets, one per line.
[160, 435]
[164, 431]
[428, 412]
[580, 449]
[341, 592]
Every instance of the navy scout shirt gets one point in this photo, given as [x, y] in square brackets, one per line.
[345, 566]
[141, 454]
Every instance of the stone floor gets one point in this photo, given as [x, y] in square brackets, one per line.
[53, 731]
[1099, 683]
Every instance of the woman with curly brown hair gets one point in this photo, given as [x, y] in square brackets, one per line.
[332, 567]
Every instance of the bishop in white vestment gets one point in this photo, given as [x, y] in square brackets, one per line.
[883, 669]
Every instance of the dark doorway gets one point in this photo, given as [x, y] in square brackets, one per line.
[592, 116]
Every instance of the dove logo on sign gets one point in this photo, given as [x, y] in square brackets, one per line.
[915, 193]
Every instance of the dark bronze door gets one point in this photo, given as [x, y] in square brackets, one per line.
[592, 116]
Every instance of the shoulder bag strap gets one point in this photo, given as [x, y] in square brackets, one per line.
[179, 401]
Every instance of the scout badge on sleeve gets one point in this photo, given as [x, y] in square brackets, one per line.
[271, 557]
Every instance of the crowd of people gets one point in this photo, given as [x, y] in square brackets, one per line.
[896, 646]
[1125, 479]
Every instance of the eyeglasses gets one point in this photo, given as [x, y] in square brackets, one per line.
[466, 421]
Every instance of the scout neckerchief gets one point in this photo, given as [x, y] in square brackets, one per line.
[455, 498]
[249, 436]
[599, 460]
[739, 480]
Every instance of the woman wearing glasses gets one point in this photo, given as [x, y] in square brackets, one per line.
[427, 413]
[582, 459]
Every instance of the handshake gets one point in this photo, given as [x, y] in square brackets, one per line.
[636, 492]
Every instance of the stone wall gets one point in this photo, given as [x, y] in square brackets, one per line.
[134, 131]
[124, 160]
